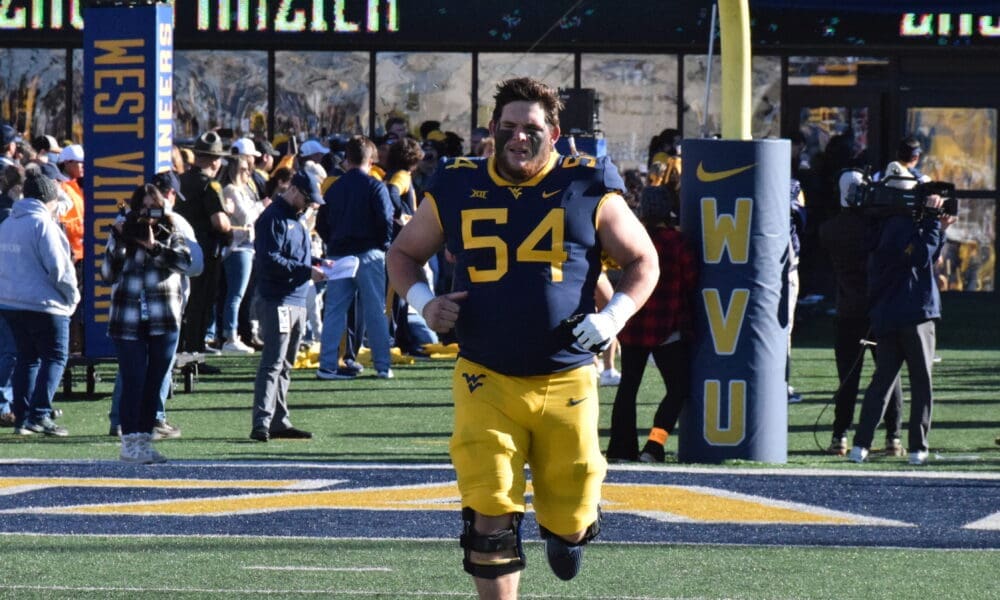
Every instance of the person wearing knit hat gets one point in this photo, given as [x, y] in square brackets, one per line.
[38, 293]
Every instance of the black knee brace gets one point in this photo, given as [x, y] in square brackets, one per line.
[496, 541]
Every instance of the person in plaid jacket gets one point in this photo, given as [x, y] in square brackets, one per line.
[662, 327]
[144, 260]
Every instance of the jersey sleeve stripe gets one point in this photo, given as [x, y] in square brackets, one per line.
[429, 197]
[600, 205]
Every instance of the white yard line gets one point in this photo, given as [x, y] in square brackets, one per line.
[303, 568]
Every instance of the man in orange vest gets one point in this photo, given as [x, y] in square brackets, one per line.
[71, 165]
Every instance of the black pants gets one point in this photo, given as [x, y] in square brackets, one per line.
[673, 361]
[200, 306]
[847, 351]
[913, 345]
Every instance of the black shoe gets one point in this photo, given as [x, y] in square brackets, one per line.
[418, 354]
[342, 373]
[564, 559]
[207, 369]
[652, 452]
[291, 434]
[255, 342]
[259, 435]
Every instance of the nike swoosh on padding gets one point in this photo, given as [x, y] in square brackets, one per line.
[710, 176]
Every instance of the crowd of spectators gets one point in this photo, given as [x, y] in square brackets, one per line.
[195, 268]
[185, 261]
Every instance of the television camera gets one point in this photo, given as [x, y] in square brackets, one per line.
[899, 192]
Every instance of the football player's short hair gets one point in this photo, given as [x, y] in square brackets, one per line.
[530, 90]
[360, 149]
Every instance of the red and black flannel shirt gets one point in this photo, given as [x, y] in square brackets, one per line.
[670, 307]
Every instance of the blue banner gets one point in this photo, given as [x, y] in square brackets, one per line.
[735, 210]
[128, 133]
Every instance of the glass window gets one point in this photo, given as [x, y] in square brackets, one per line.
[424, 86]
[321, 93]
[765, 104]
[820, 123]
[968, 259]
[638, 99]
[33, 90]
[832, 70]
[220, 88]
[555, 70]
[959, 145]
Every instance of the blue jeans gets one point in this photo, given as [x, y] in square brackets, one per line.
[237, 267]
[42, 351]
[8, 358]
[369, 283]
[143, 365]
[420, 332]
[161, 405]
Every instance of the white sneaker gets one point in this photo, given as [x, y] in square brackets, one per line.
[130, 448]
[236, 346]
[610, 377]
[858, 454]
[919, 457]
[138, 448]
[387, 374]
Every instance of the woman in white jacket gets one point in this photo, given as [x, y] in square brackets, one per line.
[38, 293]
[243, 208]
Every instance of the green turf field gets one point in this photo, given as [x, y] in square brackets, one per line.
[102, 567]
[407, 420]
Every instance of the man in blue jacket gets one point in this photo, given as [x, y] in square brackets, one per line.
[283, 265]
[904, 305]
[356, 221]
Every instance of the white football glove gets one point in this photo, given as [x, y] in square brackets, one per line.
[596, 331]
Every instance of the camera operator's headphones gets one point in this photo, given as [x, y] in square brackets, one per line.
[849, 181]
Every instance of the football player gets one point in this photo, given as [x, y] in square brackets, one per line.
[527, 228]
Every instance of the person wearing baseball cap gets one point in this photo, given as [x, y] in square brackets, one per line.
[48, 150]
[312, 150]
[8, 145]
[71, 166]
[309, 187]
[284, 268]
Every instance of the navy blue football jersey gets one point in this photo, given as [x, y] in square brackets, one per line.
[528, 255]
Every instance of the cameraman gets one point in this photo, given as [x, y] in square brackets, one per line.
[843, 237]
[904, 304]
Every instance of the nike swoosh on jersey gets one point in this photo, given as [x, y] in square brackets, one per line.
[573, 402]
[710, 176]
[548, 195]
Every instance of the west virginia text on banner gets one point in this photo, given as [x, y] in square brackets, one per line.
[128, 135]
[735, 210]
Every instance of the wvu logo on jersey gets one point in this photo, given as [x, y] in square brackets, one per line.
[478, 194]
[473, 381]
[516, 191]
